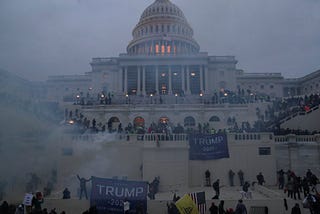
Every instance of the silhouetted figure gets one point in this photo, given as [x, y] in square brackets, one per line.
[296, 209]
[231, 176]
[172, 209]
[37, 200]
[154, 188]
[216, 188]
[285, 203]
[221, 207]
[66, 194]
[4, 208]
[241, 208]
[281, 179]
[83, 186]
[260, 179]
[241, 177]
[208, 178]
[213, 209]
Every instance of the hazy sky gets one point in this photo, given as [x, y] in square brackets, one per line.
[54, 37]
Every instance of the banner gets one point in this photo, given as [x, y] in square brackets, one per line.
[108, 195]
[208, 146]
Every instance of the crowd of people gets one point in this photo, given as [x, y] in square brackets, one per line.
[293, 184]
[268, 121]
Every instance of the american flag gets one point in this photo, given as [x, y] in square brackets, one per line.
[199, 199]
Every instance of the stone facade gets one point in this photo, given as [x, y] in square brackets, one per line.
[163, 58]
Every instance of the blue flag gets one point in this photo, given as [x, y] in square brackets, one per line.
[208, 146]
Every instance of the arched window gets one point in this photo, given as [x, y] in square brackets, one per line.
[189, 121]
[214, 119]
[113, 123]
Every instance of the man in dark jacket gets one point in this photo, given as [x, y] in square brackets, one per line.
[216, 188]
[296, 209]
[241, 208]
[83, 187]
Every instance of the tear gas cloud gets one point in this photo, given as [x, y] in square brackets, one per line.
[32, 146]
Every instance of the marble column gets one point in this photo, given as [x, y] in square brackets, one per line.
[201, 78]
[188, 80]
[139, 80]
[144, 80]
[170, 80]
[126, 79]
[183, 85]
[206, 75]
[157, 79]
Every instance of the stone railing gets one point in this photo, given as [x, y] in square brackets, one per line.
[156, 138]
[255, 136]
[292, 138]
[159, 137]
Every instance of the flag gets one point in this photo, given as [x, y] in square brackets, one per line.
[199, 198]
[186, 205]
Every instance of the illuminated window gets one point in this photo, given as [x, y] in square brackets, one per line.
[157, 48]
[163, 49]
[163, 74]
[193, 74]
[168, 49]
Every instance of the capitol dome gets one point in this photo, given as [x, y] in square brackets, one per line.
[162, 30]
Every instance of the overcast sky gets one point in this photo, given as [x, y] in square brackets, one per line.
[39, 38]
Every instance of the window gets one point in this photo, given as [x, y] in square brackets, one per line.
[214, 119]
[162, 49]
[264, 151]
[189, 121]
[261, 86]
[271, 86]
